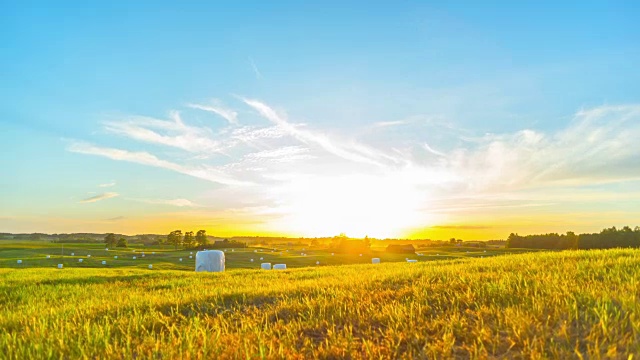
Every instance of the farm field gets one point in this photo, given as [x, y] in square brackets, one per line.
[34, 254]
[572, 304]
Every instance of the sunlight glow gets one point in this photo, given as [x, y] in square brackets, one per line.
[357, 205]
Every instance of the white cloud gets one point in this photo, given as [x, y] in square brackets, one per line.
[255, 69]
[172, 202]
[383, 124]
[99, 197]
[349, 150]
[216, 107]
[174, 133]
[113, 183]
[292, 165]
[203, 172]
[284, 154]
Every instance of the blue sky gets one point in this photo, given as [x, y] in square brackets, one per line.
[249, 117]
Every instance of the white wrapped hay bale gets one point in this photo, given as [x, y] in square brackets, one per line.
[261, 258]
[317, 262]
[150, 266]
[115, 257]
[210, 260]
[265, 266]
[79, 260]
[251, 260]
[104, 262]
[180, 259]
[73, 254]
[412, 261]
[134, 258]
[88, 256]
[48, 256]
[191, 257]
[59, 266]
[279, 266]
[375, 261]
[19, 261]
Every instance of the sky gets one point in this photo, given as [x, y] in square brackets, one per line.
[410, 119]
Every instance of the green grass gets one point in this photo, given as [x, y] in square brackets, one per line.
[574, 304]
[33, 254]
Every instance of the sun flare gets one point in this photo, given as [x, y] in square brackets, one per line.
[357, 205]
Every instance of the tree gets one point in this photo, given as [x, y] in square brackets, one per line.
[110, 240]
[452, 241]
[201, 238]
[175, 238]
[189, 240]
[122, 243]
[367, 242]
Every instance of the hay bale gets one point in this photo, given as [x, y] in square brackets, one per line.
[332, 254]
[80, 260]
[261, 258]
[210, 261]
[73, 254]
[104, 262]
[59, 266]
[317, 262]
[150, 266]
[412, 261]
[48, 256]
[88, 255]
[19, 261]
[375, 261]
[251, 260]
[190, 257]
[134, 258]
[115, 257]
[265, 266]
[280, 267]
[107, 249]
[180, 259]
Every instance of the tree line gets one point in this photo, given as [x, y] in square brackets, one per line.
[605, 239]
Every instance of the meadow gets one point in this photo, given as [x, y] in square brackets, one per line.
[34, 254]
[570, 304]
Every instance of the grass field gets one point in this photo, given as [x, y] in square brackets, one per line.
[34, 254]
[574, 304]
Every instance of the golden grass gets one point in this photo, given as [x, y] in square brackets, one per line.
[539, 305]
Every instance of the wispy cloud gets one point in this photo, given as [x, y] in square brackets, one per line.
[107, 184]
[116, 218]
[203, 172]
[255, 69]
[292, 166]
[171, 202]
[349, 150]
[99, 197]
[218, 108]
[172, 133]
[284, 154]
[382, 124]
